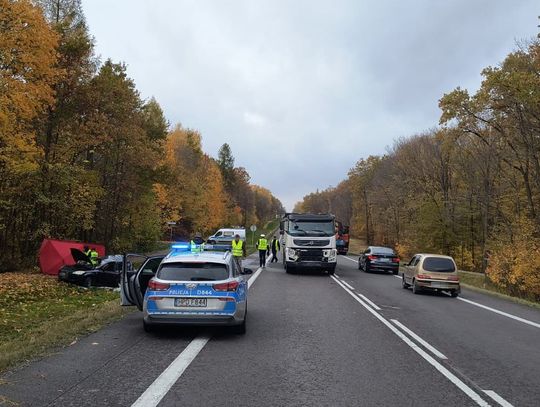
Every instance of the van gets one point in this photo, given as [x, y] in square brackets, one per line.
[226, 236]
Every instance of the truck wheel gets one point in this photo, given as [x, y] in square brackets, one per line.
[88, 282]
[331, 271]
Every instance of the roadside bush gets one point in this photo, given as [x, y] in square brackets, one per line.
[515, 265]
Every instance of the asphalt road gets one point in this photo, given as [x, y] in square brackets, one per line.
[355, 340]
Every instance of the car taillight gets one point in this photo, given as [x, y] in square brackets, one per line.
[453, 278]
[395, 260]
[230, 286]
[372, 257]
[157, 286]
[423, 276]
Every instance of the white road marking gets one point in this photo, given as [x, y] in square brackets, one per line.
[497, 398]
[337, 275]
[419, 340]
[366, 299]
[161, 386]
[444, 371]
[350, 287]
[348, 258]
[525, 321]
[398, 277]
[361, 295]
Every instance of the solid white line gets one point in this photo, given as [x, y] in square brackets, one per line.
[160, 387]
[350, 287]
[444, 371]
[497, 398]
[366, 299]
[419, 340]
[348, 258]
[525, 321]
[337, 275]
[361, 295]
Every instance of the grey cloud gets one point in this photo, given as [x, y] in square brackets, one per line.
[302, 90]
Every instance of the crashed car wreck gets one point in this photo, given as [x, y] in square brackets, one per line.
[82, 273]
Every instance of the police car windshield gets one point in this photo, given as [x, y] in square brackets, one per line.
[311, 229]
[193, 272]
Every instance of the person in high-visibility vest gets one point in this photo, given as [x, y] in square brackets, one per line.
[275, 249]
[197, 243]
[94, 257]
[238, 251]
[262, 246]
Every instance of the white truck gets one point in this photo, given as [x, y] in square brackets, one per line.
[308, 242]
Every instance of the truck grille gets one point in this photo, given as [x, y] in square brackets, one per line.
[313, 243]
[310, 254]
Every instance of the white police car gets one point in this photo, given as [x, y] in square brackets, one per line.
[189, 286]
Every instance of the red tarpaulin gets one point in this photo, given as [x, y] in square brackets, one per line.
[54, 254]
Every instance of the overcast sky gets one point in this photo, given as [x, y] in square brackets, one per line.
[301, 90]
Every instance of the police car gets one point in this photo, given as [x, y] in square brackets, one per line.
[191, 285]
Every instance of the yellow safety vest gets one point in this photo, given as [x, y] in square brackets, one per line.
[263, 244]
[237, 248]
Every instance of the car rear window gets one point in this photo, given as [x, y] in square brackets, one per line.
[193, 271]
[438, 264]
[382, 250]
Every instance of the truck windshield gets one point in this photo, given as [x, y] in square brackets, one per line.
[311, 229]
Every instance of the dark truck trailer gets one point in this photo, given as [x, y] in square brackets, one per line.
[342, 238]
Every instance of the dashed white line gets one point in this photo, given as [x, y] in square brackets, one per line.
[350, 287]
[444, 371]
[366, 299]
[398, 277]
[161, 386]
[348, 258]
[506, 314]
[419, 340]
[497, 398]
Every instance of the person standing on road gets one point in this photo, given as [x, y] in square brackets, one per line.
[262, 246]
[275, 249]
[197, 243]
[238, 250]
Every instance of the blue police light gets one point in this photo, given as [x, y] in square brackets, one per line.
[181, 247]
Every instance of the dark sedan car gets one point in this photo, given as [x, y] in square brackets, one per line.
[107, 274]
[379, 258]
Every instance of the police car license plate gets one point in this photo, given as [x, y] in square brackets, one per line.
[190, 302]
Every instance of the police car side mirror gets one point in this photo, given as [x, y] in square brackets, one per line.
[247, 271]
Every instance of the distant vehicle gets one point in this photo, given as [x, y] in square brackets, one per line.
[379, 258]
[188, 287]
[308, 242]
[342, 240]
[226, 236]
[107, 274]
[431, 272]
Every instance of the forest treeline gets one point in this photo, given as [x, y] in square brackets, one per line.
[83, 156]
[469, 187]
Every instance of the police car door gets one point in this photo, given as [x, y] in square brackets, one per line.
[139, 282]
[127, 294]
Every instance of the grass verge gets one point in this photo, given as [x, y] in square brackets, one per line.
[37, 313]
[479, 282]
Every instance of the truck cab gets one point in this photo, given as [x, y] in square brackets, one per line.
[308, 242]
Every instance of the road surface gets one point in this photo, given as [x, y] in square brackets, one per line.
[355, 339]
